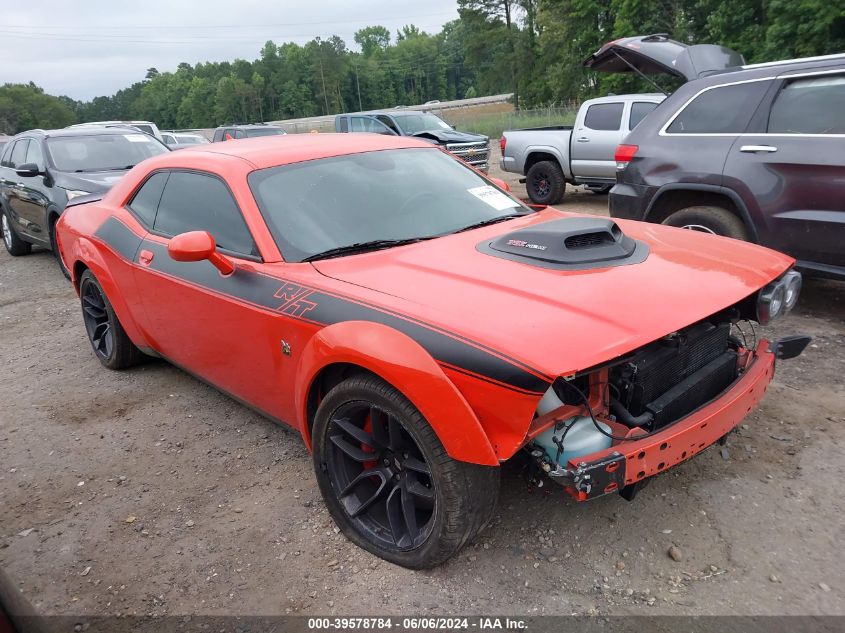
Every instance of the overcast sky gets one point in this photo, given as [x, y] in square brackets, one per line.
[87, 48]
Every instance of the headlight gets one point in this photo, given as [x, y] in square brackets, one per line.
[779, 297]
[75, 193]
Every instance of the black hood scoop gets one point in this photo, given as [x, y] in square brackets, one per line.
[569, 244]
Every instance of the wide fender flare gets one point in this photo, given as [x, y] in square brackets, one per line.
[405, 364]
[85, 251]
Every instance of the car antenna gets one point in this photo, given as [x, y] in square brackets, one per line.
[640, 73]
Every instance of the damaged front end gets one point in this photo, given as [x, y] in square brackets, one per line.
[609, 428]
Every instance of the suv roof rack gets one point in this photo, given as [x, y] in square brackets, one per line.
[798, 60]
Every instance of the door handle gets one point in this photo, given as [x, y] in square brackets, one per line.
[145, 257]
[753, 149]
[583, 139]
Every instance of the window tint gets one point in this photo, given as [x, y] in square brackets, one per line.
[170, 140]
[344, 124]
[722, 110]
[196, 202]
[263, 131]
[811, 105]
[34, 154]
[145, 202]
[19, 153]
[7, 156]
[367, 124]
[604, 116]
[639, 110]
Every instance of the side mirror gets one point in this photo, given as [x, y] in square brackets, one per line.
[28, 170]
[196, 246]
[501, 184]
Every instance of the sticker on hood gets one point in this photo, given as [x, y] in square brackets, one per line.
[493, 197]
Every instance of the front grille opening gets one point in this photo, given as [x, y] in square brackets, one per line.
[588, 240]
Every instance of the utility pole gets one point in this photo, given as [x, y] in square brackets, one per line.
[358, 85]
[323, 78]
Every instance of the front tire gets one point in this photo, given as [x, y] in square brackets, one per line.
[707, 219]
[387, 480]
[545, 182]
[111, 345]
[15, 245]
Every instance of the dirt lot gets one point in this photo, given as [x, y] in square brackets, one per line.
[146, 491]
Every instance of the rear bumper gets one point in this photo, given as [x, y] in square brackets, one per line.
[632, 461]
[628, 202]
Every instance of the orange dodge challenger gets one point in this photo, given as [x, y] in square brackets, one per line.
[419, 326]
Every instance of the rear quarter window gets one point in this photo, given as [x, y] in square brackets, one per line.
[604, 116]
[639, 110]
[810, 105]
[145, 202]
[720, 110]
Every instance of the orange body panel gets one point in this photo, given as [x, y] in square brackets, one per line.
[472, 340]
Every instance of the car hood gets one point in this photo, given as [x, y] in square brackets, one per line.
[652, 54]
[560, 321]
[93, 182]
[450, 136]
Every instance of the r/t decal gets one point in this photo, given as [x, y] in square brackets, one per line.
[294, 298]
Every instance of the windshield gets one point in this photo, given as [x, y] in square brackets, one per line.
[423, 122]
[105, 152]
[264, 131]
[319, 205]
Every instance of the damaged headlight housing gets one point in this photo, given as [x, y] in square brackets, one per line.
[779, 297]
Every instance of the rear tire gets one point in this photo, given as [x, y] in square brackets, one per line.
[545, 182]
[411, 503]
[707, 219]
[15, 245]
[111, 345]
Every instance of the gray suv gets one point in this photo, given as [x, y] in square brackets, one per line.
[754, 152]
[42, 170]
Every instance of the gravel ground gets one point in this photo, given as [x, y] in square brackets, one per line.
[148, 492]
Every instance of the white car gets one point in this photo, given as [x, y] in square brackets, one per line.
[147, 127]
[181, 140]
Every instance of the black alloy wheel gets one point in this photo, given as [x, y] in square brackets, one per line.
[387, 480]
[381, 476]
[96, 319]
[111, 344]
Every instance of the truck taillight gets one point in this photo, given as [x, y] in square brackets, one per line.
[502, 142]
[624, 154]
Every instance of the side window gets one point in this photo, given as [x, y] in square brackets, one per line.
[386, 120]
[639, 110]
[238, 134]
[168, 139]
[197, 202]
[19, 153]
[344, 124]
[723, 110]
[145, 203]
[7, 156]
[604, 116]
[356, 124]
[34, 154]
[810, 105]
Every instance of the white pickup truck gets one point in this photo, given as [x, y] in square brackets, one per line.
[583, 154]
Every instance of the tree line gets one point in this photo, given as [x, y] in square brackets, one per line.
[533, 48]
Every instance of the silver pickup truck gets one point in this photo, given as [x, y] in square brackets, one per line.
[583, 154]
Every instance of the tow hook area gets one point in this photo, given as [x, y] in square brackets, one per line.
[593, 479]
[790, 346]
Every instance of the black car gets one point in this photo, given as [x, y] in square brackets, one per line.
[471, 148]
[755, 152]
[40, 171]
[245, 130]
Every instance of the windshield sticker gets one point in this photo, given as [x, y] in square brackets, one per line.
[493, 197]
[137, 138]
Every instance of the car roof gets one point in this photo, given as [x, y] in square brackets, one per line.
[259, 126]
[768, 70]
[80, 131]
[653, 96]
[271, 151]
